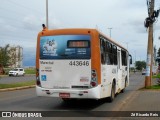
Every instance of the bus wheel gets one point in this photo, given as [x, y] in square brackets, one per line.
[111, 98]
[123, 90]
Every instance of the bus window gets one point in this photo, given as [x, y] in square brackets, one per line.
[114, 55]
[103, 56]
[109, 53]
[124, 58]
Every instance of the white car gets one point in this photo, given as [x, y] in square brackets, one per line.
[17, 72]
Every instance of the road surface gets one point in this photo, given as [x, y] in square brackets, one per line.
[12, 79]
[26, 100]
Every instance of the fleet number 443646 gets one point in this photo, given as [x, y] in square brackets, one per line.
[79, 63]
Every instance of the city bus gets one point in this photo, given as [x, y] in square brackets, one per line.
[80, 64]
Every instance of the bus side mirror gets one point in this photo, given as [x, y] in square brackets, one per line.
[130, 59]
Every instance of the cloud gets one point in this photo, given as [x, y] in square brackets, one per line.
[138, 26]
[10, 28]
[54, 21]
[126, 17]
[31, 22]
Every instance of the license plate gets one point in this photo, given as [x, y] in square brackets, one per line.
[64, 95]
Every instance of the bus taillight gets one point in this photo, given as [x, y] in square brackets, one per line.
[93, 84]
[37, 78]
[93, 78]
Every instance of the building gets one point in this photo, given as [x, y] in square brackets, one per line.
[16, 54]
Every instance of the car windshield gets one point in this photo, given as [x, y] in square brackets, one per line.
[15, 69]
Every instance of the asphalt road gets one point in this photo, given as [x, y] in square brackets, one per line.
[12, 79]
[26, 100]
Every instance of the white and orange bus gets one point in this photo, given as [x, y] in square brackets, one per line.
[80, 64]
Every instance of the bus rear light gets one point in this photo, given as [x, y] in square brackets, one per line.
[93, 75]
[37, 78]
[93, 78]
[38, 83]
[93, 84]
[37, 72]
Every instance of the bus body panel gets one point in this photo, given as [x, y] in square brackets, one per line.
[93, 93]
[59, 74]
[65, 61]
[108, 75]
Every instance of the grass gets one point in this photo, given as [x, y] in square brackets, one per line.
[21, 84]
[156, 76]
[30, 71]
[156, 87]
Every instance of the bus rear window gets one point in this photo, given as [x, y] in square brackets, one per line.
[65, 47]
[78, 44]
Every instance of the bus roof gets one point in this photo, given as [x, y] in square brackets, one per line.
[46, 32]
[113, 41]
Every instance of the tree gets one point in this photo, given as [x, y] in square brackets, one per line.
[158, 53]
[140, 65]
[4, 56]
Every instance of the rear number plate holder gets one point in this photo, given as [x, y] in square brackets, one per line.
[64, 95]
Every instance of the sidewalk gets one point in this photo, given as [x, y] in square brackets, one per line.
[144, 99]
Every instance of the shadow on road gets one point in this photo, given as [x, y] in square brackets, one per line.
[86, 104]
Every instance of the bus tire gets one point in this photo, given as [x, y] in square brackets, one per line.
[123, 90]
[111, 98]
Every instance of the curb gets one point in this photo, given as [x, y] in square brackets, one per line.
[17, 88]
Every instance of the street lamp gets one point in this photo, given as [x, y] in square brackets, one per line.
[47, 13]
[127, 45]
[110, 31]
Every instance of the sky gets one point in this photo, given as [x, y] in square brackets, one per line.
[21, 21]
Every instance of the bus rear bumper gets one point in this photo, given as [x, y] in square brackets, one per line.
[92, 93]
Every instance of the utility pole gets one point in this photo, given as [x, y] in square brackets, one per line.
[135, 60]
[148, 77]
[47, 13]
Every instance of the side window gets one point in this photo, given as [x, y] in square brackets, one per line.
[103, 49]
[114, 55]
[108, 61]
[124, 58]
[109, 53]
